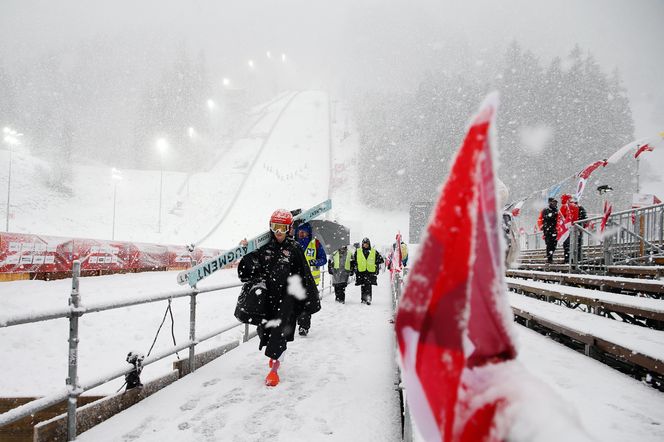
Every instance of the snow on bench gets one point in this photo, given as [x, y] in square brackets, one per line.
[639, 345]
[649, 286]
[631, 305]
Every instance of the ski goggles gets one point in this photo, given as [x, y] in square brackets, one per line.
[279, 227]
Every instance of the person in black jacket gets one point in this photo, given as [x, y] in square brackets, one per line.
[549, 228]
[290, 289]
[365, 263]
[582, 215]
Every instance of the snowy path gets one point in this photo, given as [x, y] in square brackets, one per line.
[336, 384]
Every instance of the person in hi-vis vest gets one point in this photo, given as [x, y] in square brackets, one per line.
[316, 257]
[365, 263]
[340, 269]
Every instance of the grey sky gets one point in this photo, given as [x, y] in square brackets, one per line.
[322, 38]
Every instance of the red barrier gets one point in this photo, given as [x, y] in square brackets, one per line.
[40, 254]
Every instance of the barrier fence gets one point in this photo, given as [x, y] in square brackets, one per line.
[25, 256]
[631, 237]
[75, 310]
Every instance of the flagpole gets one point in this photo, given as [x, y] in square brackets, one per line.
[637, 174]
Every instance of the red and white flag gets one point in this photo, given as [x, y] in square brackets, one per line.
[454, 319]
[563, 226]
[395, 258]
[645, 148]
[608, 208]
[585, 174]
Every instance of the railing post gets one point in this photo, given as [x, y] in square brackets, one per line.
[245, 338]
[72, 380]
[573, 256]
[192, 330]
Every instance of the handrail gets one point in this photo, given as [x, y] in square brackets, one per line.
[74, 312]
[635, 209]
[102, 306]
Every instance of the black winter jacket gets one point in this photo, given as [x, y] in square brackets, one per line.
[549, 222]
[275, 263]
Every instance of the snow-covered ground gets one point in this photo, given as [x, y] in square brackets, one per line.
[338, 383]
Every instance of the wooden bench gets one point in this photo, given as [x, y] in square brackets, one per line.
[631, 286]
[636, 346]
[597, 301]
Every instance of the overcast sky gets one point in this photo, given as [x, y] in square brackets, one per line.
[322, 38]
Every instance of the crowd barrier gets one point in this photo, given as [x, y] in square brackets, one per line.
[27, 256]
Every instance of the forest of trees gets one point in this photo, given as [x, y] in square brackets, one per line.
[98, 104]
[554, 118]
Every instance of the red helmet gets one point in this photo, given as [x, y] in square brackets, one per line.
[281, 216]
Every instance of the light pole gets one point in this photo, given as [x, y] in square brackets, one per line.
[11, 139]
[162, 145]
[116, 176]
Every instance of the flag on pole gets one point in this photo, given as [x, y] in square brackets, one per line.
[645, 148]
[454, 317]
[585, 174]
[395, 259]
[605, 218]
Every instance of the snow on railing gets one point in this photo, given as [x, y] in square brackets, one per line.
[75, 311]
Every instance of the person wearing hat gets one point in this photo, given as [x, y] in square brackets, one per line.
[290, 289]
[316, 258]
[365, 263]
[340, 268]
[549, 222]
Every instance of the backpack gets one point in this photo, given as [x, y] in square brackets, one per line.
[251, 304]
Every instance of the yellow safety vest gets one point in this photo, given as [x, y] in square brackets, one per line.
[335, 257]
[366, 264]
[404, 250]
[310, 254]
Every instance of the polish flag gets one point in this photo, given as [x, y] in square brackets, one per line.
[454, 319]
[563, 226]
[585, 174]
[645, 148]
[608, 208]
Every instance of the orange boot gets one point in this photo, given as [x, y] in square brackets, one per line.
[272, 379]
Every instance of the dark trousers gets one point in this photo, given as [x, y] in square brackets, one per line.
[579, 242]
[366, 292]
[566, 244]
[340, 292]
[304, 320]
[551, 243]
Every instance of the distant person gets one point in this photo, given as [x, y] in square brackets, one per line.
[340, 269]
[290, 288]
[316, 258]
[548, 221]
[570, 214]
[582, 216]
[365, 263]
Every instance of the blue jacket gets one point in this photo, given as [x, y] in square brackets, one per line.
[321, 257]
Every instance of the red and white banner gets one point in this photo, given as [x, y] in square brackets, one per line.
[585, 174]
[454, 318]
[25, 253]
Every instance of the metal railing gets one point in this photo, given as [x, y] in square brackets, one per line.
[74, 311]
[631, 237]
